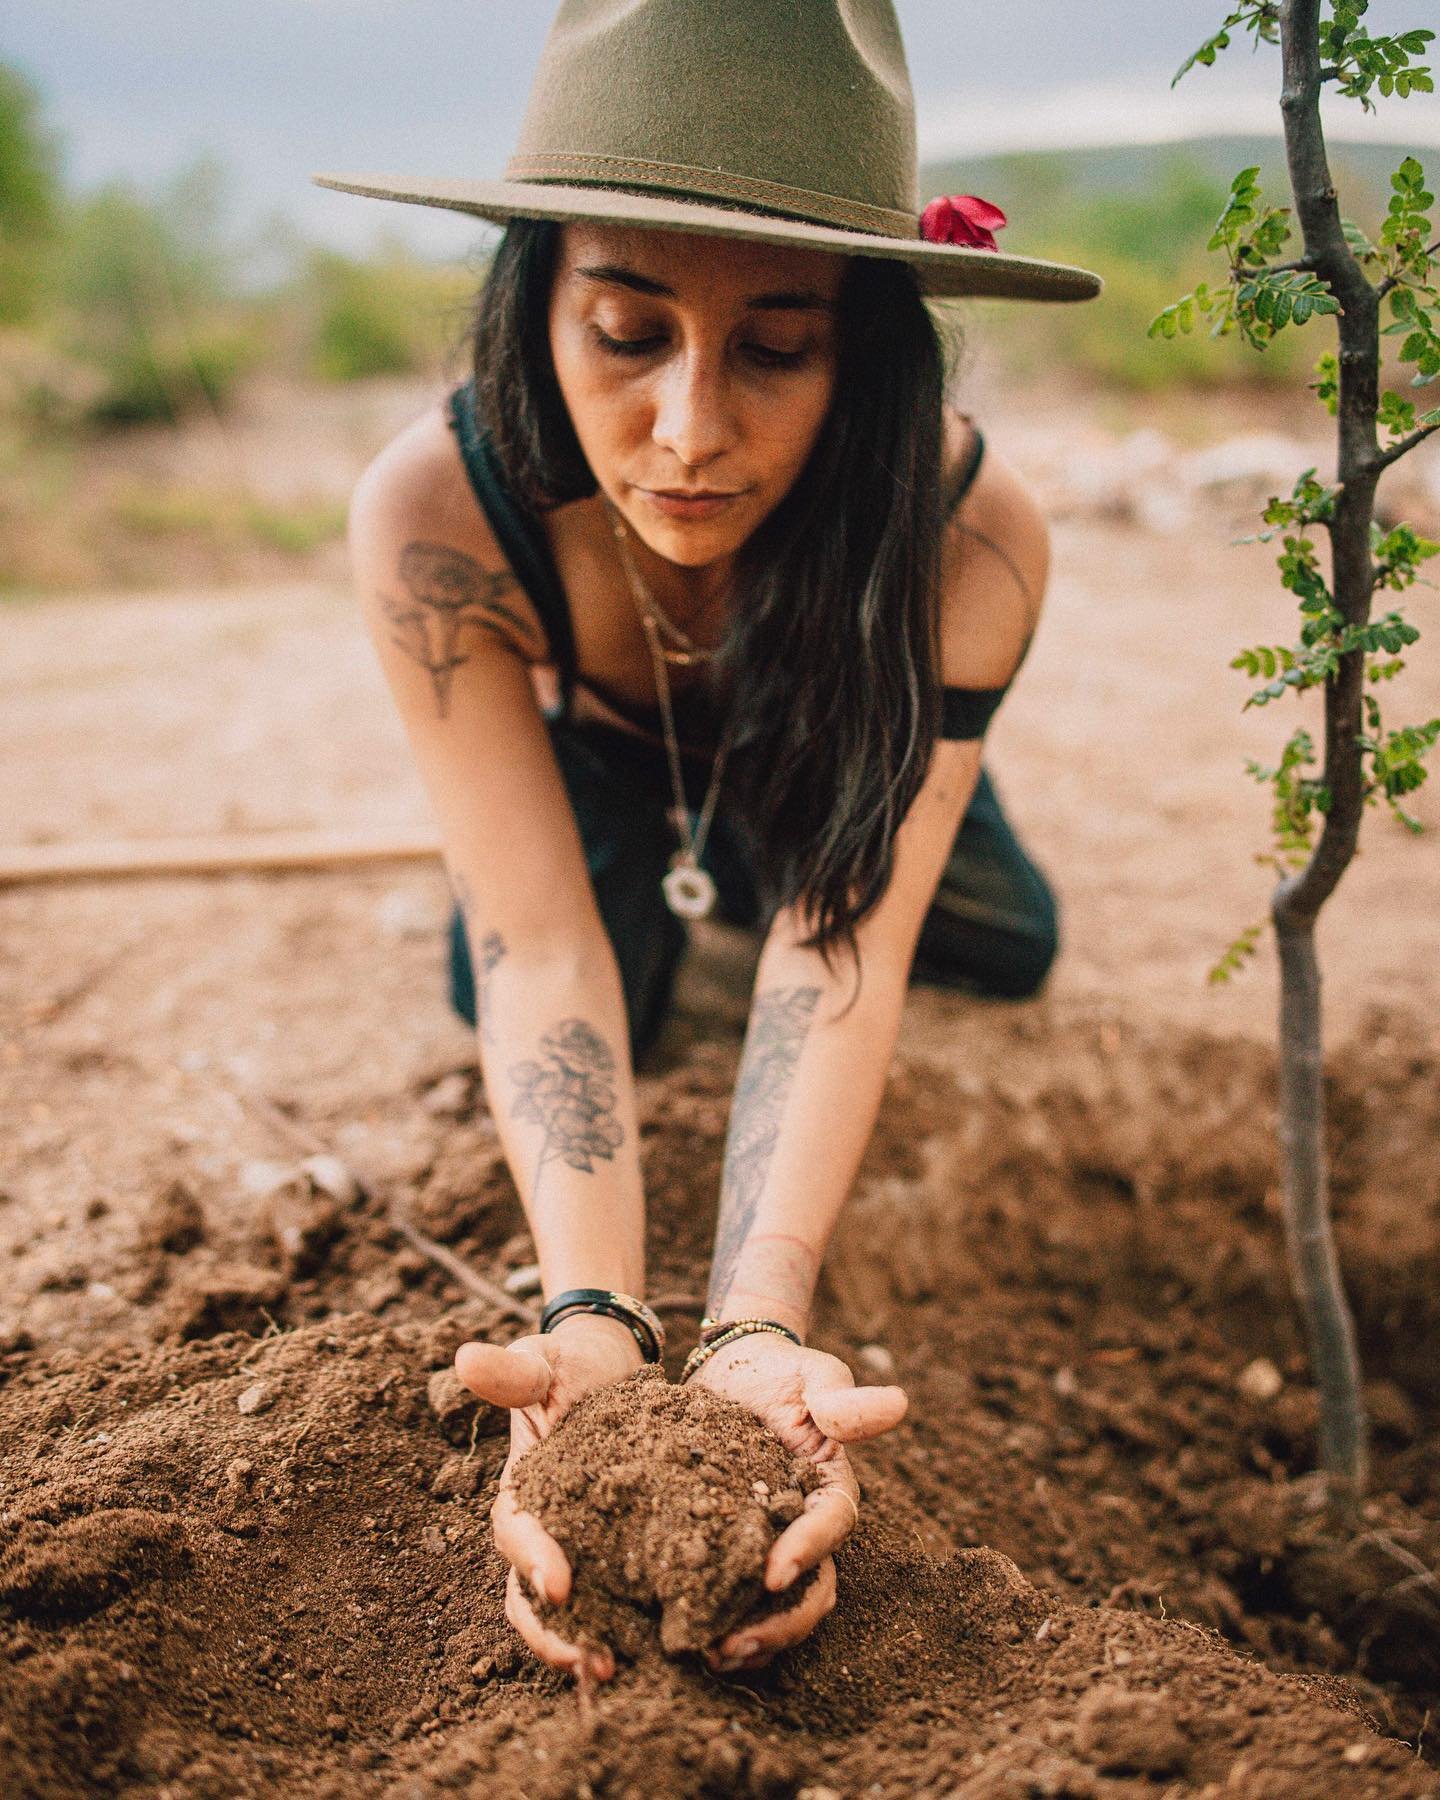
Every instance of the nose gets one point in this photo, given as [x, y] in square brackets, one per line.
[692, 418]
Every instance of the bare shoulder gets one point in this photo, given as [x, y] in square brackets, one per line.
[418, 479]
[414, 516]
[995, 565]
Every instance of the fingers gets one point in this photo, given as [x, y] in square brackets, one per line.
[829, 1517]
[752, 1646]
[548, 1645]
[509, 1375]
[527, 1546]
[848, 1413]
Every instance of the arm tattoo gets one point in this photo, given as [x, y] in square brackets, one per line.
[779, 1021]
[491, 948]
[568, 1093]
[448, 595]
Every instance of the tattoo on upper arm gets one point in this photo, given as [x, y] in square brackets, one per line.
[779, 1021]
[448, 596]
[569, 1094]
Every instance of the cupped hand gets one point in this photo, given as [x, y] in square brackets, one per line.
[540, 1379]
[811, 1403]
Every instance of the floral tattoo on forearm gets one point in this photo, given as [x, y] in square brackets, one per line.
[568, 1092]
[449, 597]
[779, 1021]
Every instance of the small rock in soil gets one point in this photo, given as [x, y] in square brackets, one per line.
[1260, 1380]
[875, 1363]
[449, 1098]
[330, 1176]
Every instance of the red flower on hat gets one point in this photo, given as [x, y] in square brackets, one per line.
[961, 219]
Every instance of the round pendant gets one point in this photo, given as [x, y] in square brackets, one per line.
[689, 891]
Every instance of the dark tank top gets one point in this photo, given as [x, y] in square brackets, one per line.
[965, 711]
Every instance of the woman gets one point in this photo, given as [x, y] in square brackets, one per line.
[703, 526]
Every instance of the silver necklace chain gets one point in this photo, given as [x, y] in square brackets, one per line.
[689, 889]
[689, 651]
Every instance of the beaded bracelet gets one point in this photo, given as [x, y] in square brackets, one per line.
[642, 1323]
[715, 1336]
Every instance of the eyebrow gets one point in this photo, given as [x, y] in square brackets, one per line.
[784, 300]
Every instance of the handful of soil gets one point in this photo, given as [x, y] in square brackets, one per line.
[666, 1500]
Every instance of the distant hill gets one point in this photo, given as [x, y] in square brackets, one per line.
[1362, 171]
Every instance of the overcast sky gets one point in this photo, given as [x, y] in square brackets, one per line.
[278, 88]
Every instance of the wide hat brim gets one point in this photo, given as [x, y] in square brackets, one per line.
[946, 271]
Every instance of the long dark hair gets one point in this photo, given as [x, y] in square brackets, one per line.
[833, 653]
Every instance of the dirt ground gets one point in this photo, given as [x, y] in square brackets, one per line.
[243, 1540]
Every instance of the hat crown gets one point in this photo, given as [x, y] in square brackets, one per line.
[799, 107]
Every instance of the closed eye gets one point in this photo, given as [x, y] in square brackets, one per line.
[764, 354]
[625, 346]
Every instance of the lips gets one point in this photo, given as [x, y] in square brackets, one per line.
[689, 505]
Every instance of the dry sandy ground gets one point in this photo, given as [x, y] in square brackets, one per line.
[133, 1013]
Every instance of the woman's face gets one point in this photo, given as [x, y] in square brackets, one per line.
[693, 366]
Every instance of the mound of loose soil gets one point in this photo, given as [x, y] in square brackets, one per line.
[241, 1567]
[666, 1500]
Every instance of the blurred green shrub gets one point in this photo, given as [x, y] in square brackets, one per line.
[226, 517]
[389, 315]
[1135, 216]
[159, 375]
[30, 198]
[146, 293]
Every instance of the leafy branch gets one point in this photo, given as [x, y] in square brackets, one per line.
[1341, 649]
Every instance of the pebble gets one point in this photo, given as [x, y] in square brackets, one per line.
[332, 1177]
[255, 1398]
[259, 1177]
[449, 1097]
[1260, 1380]
[875, 1362]
[523, 1281]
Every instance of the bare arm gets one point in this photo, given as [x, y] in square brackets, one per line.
[453, 631]
[812, 1073]
[811, 1077]
[455, 635]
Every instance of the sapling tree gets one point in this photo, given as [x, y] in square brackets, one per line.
[1345, 646]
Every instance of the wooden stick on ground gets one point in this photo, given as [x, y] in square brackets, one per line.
[470, 1279]
[117, 858]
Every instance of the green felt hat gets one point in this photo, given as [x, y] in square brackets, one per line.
[777, 121]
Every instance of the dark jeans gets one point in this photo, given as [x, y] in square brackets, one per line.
[992, 928]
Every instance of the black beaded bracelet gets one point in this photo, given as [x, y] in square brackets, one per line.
[642, 1323]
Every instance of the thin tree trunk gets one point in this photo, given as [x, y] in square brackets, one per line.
[1305, 1186]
